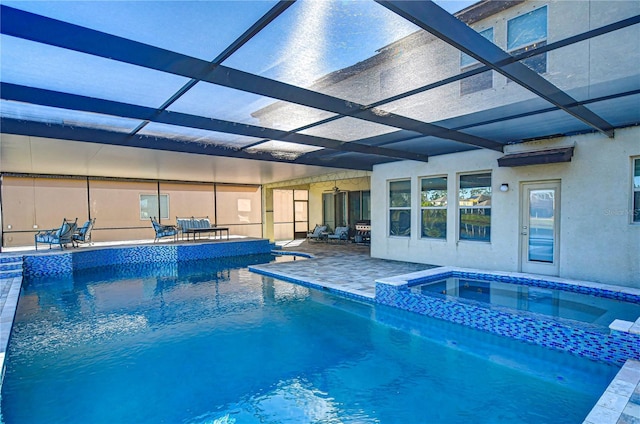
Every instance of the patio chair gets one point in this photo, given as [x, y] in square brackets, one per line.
[318, 233]
[339, 234]
[83, 234]
[61, 236]
[163, 230]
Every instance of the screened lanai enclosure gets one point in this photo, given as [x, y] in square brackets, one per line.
[243, 94]
[345, 84]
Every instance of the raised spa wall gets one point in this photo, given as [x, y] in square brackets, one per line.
[613, 346]
[67, 261]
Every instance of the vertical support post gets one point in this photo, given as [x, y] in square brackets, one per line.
[158, 197]
[215, 203]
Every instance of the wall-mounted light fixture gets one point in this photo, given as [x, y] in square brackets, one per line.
[504, 187]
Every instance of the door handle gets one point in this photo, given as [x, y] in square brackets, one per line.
[524, 234]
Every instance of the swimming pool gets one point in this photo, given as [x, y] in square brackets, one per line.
[208, 341]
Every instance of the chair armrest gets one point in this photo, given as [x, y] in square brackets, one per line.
[51, 231]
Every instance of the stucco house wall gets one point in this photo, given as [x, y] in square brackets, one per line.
[583, 70]
[598, 241]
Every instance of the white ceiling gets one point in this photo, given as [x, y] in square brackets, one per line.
[22, 154]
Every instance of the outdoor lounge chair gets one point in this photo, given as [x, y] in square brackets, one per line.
[83, 234]
[339, 234]
[61, 236]
[163, 230]
[318, 233]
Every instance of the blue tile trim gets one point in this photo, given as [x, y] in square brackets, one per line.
[69, 261]
[10, 259]
[612, 347]
[534, 282]
[40, 266]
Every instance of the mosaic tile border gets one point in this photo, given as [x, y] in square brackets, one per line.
[627, 296]
[42, 265]
[612, 347]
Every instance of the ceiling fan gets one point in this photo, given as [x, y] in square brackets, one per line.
[335, 190]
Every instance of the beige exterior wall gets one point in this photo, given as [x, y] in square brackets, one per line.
[316, 190]
[577, 68]
[240, 209]
[421, 59]
[189, 199]
[32, 204]
[115, 205]
[316, 186]
[598, 242]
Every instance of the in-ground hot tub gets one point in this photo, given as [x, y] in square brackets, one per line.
[580, 317]
[571, 303]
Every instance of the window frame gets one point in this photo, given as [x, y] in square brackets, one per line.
[479, 82]
[460, 208]
[444, 207]
[634, 211]
[157, 196]
[540, 42]
[391, 209]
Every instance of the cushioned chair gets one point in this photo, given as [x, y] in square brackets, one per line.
[60, 236]
[83, 234]
[163, 230]
[318, 233]
[339, 234]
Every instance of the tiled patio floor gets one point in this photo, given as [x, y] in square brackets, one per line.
[345, 267]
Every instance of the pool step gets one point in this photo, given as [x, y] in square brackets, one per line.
[10, 267]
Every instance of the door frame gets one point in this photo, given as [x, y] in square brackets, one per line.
[524, 264]
[301, 233]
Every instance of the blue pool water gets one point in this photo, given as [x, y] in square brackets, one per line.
[210, 342]
[542, 300]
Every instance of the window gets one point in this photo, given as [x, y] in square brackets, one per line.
[149, 206]
[636, 191]
[400, 208]
[477, 82]
[359, 207]
[528, 32]
[474, 200]
[366, 205]
[433, 202]
[329, 210]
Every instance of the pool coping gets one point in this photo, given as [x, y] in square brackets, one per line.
[620, 403]
[7, 315]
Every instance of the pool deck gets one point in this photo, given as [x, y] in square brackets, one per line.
[349, 269]
[343, 267]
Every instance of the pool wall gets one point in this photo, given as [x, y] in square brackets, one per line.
[584, 340]
[41, 265]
